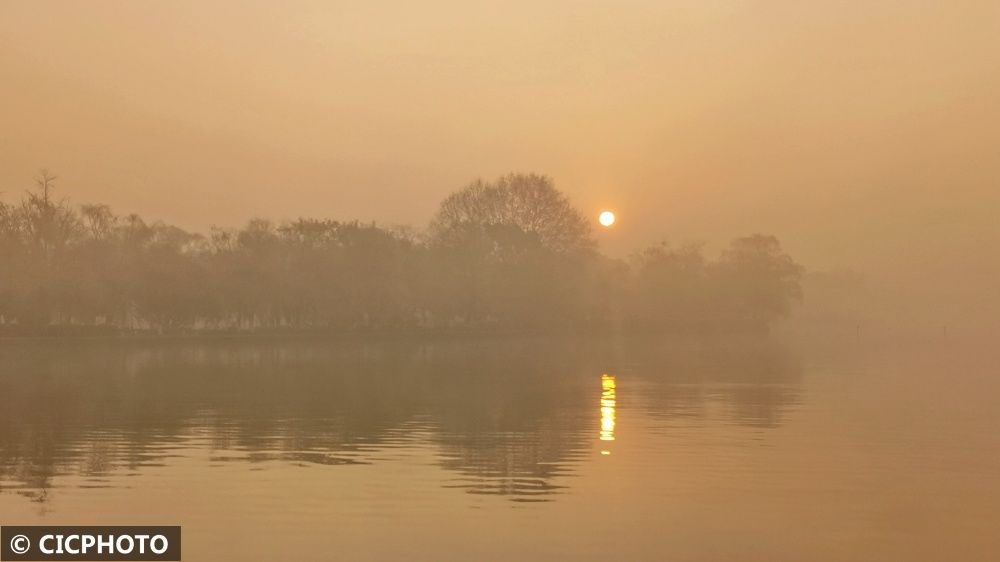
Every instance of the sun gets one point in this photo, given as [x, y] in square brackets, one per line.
[606, 218]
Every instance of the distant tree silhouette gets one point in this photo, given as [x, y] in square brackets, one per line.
[528, 202]
[750, 286]
[671, 289]
[512, 254]
[759, 281]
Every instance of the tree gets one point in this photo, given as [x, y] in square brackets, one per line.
[513, 254]
[99, 220]
[528, 202]
[759, 280]
[49, 226]
[510, 253]
[671, 289]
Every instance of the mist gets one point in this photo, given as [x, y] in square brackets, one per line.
[572, 280]
[863, 137]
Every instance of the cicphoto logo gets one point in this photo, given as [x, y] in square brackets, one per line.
[90, 543]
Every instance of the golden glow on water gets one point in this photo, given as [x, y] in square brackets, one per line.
[608, 402]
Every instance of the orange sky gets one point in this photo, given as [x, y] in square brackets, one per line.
[864, 135]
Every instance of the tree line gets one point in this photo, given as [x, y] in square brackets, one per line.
[510, 254]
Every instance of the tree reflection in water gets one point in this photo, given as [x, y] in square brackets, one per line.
[508, 417]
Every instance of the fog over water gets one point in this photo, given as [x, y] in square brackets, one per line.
[741, 448]
[863, 136]
[639, 280]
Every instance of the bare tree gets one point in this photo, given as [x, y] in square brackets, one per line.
[45, 182]
[529, 202]
[99, 220]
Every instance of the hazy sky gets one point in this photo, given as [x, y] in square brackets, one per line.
[863, 134]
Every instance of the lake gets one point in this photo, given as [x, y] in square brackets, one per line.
[507, 448]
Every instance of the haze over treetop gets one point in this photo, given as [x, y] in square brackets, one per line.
[512, 254]
[863, 138]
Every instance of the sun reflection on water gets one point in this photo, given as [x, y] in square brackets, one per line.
[607, 409]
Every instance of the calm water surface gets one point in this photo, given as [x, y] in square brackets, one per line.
[512, 449]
